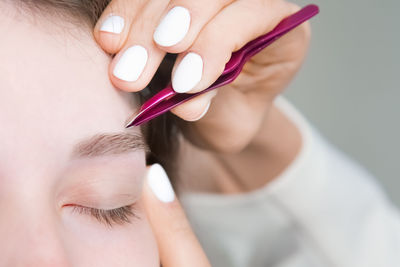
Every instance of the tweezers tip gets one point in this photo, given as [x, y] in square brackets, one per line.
[128, 126]
[131, 122]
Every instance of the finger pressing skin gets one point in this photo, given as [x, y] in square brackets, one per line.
[177, 244]
[134, 66]
[113, 26]
[182, 21]
[231, 29]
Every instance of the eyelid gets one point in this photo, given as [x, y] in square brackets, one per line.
[109, 217]
[101, 184]
[100, 200]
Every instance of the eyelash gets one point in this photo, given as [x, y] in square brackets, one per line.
[120, 216]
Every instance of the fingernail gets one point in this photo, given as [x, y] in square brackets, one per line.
[173, 27]
[204, 112]
[159, 183]
[131, 64]
[113, 24]
[188, 73]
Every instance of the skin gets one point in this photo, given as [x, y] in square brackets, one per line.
[40, 180]
[241, 118]
[46, 170]
[43, 115]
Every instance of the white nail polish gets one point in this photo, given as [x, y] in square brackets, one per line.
[204, 112]
[159, 183]
[173, 27]
[188, 73]
[113, 24]
[131, 64]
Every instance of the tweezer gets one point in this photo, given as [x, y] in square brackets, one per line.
[167, 98]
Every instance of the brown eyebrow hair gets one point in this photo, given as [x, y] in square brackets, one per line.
[110, 144]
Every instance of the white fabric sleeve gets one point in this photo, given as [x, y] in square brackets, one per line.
[339, 208]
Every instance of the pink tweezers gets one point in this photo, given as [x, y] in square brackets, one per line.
[167, 98]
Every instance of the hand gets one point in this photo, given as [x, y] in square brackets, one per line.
[177, 244]
[204, 34]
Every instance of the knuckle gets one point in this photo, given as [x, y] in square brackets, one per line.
[237, 137]
[209, 32]
[231, 144]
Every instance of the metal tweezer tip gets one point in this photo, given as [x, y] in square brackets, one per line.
[131, 121]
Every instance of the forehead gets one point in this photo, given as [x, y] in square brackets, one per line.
[54, 89]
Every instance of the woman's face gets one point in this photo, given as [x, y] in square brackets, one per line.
[64, 150]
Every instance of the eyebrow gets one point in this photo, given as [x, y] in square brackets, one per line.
[110, 144]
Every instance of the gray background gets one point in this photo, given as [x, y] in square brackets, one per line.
[349, 85]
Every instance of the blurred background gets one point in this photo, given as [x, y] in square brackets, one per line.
[349, 85]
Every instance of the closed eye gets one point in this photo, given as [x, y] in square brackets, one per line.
[118, 216]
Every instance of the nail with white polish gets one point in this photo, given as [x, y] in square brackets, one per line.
[159, 183]
[113, 24]
[188, 73]
[204, 112]
[173, 27]
[131, 64]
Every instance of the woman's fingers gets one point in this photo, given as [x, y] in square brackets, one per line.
[113, 27]
[231, 29]
[204, 32]
[183, 20]
[125, 28]
[135, 64]
[173, 25]
[178, 246]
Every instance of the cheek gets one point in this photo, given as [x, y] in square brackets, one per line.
[90, 243]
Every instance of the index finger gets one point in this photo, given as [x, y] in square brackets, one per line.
[177, 244]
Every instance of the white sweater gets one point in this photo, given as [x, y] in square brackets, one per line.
[323, 210]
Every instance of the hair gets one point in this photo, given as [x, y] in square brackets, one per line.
[162, 133]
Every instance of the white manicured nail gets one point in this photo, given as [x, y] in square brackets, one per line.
[173, 27]
[159, 183]
[131, 64]
[113, 24]
[204, 112]
[188, 74]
